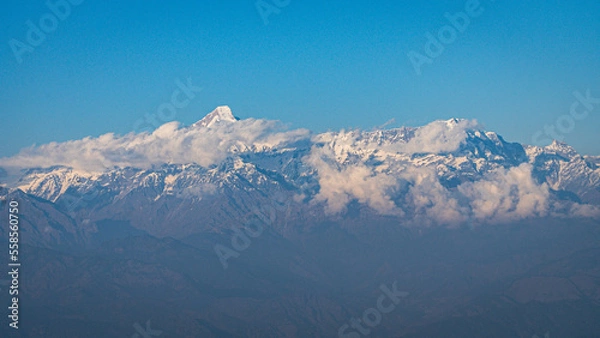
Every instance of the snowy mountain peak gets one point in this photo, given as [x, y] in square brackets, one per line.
[561, 148]
[220, 114]
[452, 121]
[557, 145]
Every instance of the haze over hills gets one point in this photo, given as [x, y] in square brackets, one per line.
[244, 228]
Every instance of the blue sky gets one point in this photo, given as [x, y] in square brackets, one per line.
[317, 65]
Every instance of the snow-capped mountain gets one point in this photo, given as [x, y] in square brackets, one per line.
[566, 171]
[219, 115]
[447, 172]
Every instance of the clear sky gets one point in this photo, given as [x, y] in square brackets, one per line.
[319, 65]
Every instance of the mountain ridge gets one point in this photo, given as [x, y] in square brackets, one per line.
[447, 172]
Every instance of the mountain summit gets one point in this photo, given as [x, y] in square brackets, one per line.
[220, 114]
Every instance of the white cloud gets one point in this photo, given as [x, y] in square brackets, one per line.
[507, 194]
[170, 143]
[585, 211]
[504, 195]
[429, 201]
[340, 185]
[437, 137]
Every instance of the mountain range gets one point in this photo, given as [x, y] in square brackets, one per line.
[445, 173]
[242, 227]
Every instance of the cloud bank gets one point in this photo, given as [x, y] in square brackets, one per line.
[339, 185]
[170, 143]
[350, 169]
[437, 137]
